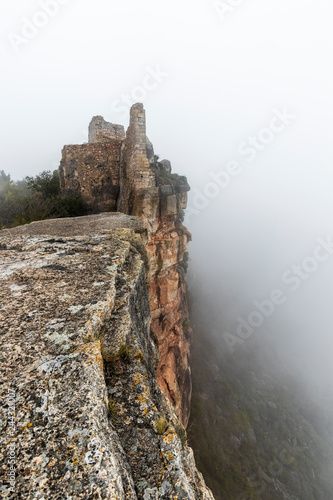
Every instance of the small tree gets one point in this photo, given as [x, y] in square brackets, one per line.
[46, 183]
[35, 198]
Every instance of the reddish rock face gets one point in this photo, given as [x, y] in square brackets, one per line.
[118, 171]
[169, 310]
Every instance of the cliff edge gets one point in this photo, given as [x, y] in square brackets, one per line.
[83, 416]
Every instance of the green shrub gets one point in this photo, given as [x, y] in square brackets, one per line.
[125, 353]
[182, 434]
[164, 178]
[113, 409]
[161, 426]
[35, 198]
[186, 325]
[45, 183]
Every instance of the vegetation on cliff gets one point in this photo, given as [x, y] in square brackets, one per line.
[164, 177]
[35, 198]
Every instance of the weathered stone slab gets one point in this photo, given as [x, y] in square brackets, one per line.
[78, 226]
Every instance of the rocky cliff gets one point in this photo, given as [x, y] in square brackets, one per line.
[83, 416]
[120, 171]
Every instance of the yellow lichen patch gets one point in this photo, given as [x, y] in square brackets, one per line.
[166, 459]
[138, 378]
[140, 355]
[89, 347]
[93, 351]
[23, 429]
[168, 437]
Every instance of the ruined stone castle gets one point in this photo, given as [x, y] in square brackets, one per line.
[97, 349]
[112, 172]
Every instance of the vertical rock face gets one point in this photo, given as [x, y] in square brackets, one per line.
[120, 171]
[82, 415]
[170, 313]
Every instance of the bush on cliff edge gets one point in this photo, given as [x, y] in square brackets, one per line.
[35, 198]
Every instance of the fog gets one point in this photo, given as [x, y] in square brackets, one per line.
[249, 84]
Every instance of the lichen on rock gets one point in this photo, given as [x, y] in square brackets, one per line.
[78, 355]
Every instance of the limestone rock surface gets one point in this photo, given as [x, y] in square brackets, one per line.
[77, 353]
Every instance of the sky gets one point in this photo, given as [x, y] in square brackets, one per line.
[238, 96]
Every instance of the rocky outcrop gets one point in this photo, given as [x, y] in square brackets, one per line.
[118, 171]
[83, 416]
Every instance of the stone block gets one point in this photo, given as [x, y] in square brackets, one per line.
[169, 205]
